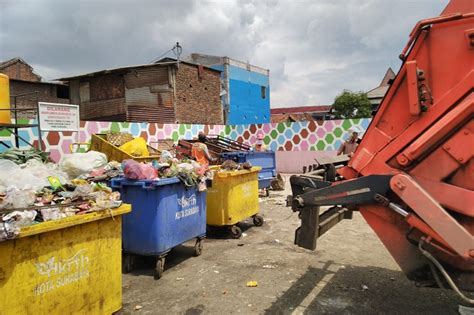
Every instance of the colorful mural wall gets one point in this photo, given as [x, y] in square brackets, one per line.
[296, 136]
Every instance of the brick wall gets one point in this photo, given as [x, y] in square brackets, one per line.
[46, 93]
[20, 71]
[197, 97]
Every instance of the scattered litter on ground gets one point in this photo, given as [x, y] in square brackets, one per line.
[244, 234]
[363, 287]
[269, 266]
[138, 307]
[216, 271]
[392, 278]
[277, 241]
[240, 244]
[252, 284]
[179, 279]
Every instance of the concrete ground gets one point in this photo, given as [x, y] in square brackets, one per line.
[350, 273]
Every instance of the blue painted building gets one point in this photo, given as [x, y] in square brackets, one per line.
[245, 92]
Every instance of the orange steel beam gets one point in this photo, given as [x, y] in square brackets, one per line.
[458, 238]
[450, 196]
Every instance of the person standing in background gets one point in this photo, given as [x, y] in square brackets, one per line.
[200, 152]
[259, 145]
[349, 146]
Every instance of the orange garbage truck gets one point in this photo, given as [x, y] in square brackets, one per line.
[412, 176]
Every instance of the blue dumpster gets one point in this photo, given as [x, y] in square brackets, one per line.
[165, 214]
[266, 160]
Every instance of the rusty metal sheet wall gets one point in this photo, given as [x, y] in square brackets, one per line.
[146, 114]
[150, 103]
[106, 87]
[146, 77]
[103, 108]
[141, 96]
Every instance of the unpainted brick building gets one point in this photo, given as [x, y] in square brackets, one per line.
[163, 92]
[27, 89]
[17, 68]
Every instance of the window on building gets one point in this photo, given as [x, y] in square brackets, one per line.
[263, 91]
[62, 91]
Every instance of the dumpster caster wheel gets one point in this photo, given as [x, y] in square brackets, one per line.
[160, 267]
[258, 220]
[236, 232]
[267, 192]
[198, 248]
[127, 263]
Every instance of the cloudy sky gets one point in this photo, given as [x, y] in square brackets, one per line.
[313, 48]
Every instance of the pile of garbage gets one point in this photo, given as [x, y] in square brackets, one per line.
[230, 165]
[191, 173]
[39, 191]
[34, 190]
[136, 147]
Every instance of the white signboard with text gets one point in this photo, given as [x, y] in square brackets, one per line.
[58, 117]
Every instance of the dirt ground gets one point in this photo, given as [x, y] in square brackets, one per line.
[350, 273]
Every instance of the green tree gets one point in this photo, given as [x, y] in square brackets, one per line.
[350, 104]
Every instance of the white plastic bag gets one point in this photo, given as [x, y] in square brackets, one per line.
[20, 218]
[77, 164]
[31, 175]
[18, 198]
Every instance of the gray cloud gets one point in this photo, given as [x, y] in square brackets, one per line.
[313, 49]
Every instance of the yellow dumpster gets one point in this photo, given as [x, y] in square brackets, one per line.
[67, 266]
[99, 143]
[233, 197]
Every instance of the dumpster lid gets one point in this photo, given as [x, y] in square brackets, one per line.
[72, 221]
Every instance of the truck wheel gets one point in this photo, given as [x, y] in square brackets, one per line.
[258, 220]
[236, 231]
[198, 247]
[160, 267]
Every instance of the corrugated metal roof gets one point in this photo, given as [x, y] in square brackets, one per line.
[160, 63]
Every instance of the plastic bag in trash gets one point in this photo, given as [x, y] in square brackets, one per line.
[18, 198]
[12, 175]
[77, 164]
[106, 201]
[165, 156]
[8, 231]
[20, 218]
[135, 170]
[136, 147]
[50, 214]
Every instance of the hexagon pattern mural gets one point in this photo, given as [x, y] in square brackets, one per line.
[296, 136]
